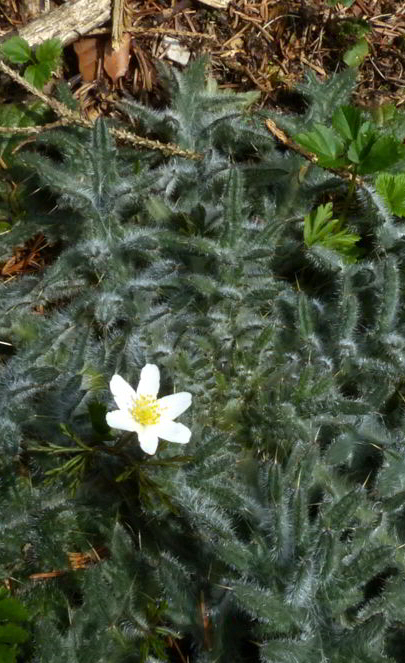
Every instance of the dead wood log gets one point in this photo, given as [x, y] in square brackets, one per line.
[68, 22]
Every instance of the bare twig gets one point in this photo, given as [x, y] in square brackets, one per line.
[71, 117]
[67, 22]
[117, 24]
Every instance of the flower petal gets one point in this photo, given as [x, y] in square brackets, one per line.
[123, 393]
[120, 419]
[173, 405]
[148, 439]
[149, 381]
[172, 431]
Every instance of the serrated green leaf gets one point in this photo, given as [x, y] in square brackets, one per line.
[314, 221]
[11, 633]
[50, 51]
[384, 153]
[347, 121]
[38, 74]
[392, 189]
[361, 146]
[12, 610]
[320, 228]
[354, 56]
[322, 141]
[17, 50]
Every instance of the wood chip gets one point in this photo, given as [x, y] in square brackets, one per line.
[217, 4]
[174, 51]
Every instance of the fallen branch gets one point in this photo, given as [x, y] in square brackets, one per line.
[71, 117]
[67, 22]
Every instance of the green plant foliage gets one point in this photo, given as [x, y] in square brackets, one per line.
[392, 190]
[351, 26]
[17, 50]
[325, 144]
[352, 142]
[321, 228]
[12, 613]
[41, 62]
[347, 121]
[276, 533]
[355, 55]
[49, 51]
[19, 115]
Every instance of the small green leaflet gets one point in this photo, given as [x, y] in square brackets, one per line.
[384, 153]
[320, 228]
[38, 74]
[16, 50]
[12, 610]
[354, 56]
[392, 189]
[361, 146]
[11, 633]
[46, 58]
[347, 121]
[323, 142]
[8, 653]
[50, 52]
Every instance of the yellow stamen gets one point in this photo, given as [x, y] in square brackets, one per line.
[146, 410]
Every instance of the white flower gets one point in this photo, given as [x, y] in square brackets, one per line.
[142, 412]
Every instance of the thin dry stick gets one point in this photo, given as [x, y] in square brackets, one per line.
[170, 31]
[33, 130]
[71, 117]
[117, 24]
[283, 138]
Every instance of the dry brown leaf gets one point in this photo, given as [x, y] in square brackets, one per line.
[88, 51]
[116, 62]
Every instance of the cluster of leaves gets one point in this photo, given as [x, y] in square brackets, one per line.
[352, 142]
[40, 63]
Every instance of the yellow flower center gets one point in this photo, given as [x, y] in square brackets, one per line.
[146, 410]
